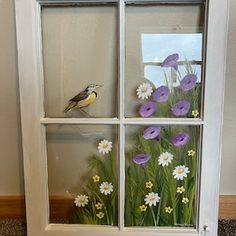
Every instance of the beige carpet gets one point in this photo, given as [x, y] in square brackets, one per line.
[17, 227]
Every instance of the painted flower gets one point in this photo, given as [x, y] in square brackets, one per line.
[180, 172]
[143, 208]
[152, 199]
[185, 200]
[106, 188]
[191, 153]
[161, 94]
[195, 113]
[100, 215]
[144, 91]
[152, 132]
[96, 178]
[171, 61]
[81, 200]
[104, 146]
[181, 108]
[165, 158]
[98, 205]
[149, 184]
[188, 82]
[141, 159]
[180, 189]
[180, 139]
[147, 109]
[168, 209]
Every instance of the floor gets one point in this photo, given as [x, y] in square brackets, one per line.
[17, 227]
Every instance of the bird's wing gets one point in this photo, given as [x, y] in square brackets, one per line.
[81, 96]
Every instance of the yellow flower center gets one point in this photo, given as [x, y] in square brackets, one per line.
[180, 171]
[165, 158]
[105, 145]
[82, 199]
[152, 198]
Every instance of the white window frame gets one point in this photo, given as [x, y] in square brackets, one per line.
[28, 23]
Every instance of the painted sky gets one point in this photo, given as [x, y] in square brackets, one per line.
[156, 47]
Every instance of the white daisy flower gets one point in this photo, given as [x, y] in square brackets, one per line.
[165, 158]
[152, 199]
[180, 172]
[106, 188]
[104, 146]
[144, 91]
[81, 200]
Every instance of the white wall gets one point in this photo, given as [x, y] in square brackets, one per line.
[228, 170]
[11, 171]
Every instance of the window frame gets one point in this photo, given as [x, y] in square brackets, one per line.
[30, 65]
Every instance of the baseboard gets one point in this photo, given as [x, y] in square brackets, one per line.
[62, 207]
[12, 207]
[227, 207]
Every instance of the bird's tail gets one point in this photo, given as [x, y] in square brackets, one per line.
[70, 106]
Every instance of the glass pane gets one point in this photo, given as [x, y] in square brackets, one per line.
[80, 49]
[161, 175]
[164, 60]
[82, 173]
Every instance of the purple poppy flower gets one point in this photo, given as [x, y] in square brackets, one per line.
[141, 159]
[161, 94]
[152, 132]
[180, 139]
[147, 109]
[181, 108]
[188, 82]
[171, 61]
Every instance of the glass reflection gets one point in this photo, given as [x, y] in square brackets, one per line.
[157, 47]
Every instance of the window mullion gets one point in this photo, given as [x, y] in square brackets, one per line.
[121, 113]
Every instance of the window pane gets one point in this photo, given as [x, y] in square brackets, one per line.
[164, 60]
[79, 49]
[161, 175]
[82, 173]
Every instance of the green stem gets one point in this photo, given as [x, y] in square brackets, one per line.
[104, 206]
[153, 216]
[143, 219]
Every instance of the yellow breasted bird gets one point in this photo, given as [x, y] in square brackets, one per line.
[84, 98]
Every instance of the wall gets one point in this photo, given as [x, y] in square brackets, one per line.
[11, 171]
[228, 170]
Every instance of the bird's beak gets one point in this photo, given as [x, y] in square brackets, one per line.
[98, 86]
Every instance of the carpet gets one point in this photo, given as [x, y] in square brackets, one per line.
[17, 227]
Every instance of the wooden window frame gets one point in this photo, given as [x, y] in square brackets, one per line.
[29, 41]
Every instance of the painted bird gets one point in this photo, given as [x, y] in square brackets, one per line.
[84, 98]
